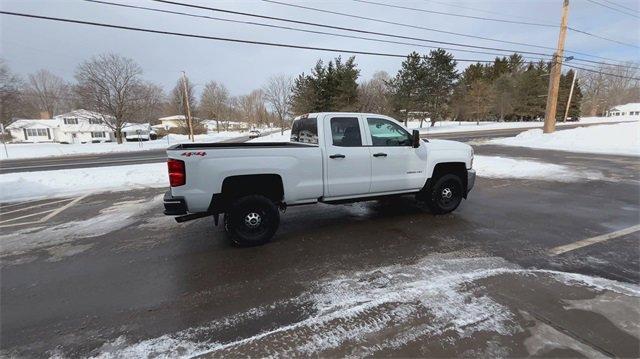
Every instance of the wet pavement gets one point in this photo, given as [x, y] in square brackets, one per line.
[111, 276]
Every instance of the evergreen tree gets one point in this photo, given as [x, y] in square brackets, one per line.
[407, 94]
[440, 76]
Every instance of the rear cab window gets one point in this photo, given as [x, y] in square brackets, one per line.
[345, 132]
[305, 130]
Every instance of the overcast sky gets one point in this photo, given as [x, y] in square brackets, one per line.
[29, 44]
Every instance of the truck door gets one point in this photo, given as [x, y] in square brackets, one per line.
[348, 162]
[396, 165]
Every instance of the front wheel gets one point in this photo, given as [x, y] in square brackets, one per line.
[445, 195]
[252, 220]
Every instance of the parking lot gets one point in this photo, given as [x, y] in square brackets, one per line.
[524, 267]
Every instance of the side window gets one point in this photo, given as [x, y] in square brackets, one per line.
[305, 130]
[387, 133]
[345, 132]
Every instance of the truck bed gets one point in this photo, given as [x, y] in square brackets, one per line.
[213, 145]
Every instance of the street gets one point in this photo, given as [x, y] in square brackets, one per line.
[110, 275]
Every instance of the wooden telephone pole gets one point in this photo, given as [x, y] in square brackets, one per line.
[186, 101]
[555, 72]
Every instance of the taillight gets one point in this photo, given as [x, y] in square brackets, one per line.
[177, 174]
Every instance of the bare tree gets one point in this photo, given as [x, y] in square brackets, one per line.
[179, 100]
[214, 102]
[277, 93]
[10, 94]
[609, 87]
[110, 85]
[48, 93]
[374, 95]
[252, 108]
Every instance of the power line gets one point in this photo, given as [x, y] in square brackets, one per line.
[496, 20]
[621, 6]
[297, 29]
[327, 33]
[613, 8]
[414, 26]
[273, 44]
[216, 38]
[601, 73]
[348, 29]
[457, 6]
[458, 15]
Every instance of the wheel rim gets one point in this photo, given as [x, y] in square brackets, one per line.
[254, 222]
[448, 194]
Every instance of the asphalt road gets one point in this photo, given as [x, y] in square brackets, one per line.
[110, 275]
[129, 158]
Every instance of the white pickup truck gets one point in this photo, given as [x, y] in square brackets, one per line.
[331, 158]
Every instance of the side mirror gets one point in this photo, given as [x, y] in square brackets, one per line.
[416, 139]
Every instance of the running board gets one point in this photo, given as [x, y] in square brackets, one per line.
[192, 216]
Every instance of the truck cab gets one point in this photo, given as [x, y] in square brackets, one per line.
[332, 157]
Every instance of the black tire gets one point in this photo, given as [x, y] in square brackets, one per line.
[251, 220]
[445, 195]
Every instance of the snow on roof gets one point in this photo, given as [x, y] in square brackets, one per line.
[176, 117]
[32, 123]
[129, 126]
[634, 106]
[81, 113]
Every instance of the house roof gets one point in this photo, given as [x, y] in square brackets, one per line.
[129, 126]
[82, 113]
[175, 118]
[634, 106]
[33, 123]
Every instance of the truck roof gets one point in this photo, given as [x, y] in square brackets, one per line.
[316, 114]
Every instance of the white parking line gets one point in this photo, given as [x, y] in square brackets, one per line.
[54, 213]
[38, 205]
[593, 240]
[27, 216]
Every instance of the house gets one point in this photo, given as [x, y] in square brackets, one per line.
[176, 121]
[630, 109]
[82, 126]
[32, 130]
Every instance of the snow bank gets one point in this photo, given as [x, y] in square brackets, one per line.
[62, 183]
[616, 139]
[502, 167]
[33, 150]
[274, 137]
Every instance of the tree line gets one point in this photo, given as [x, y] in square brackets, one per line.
[426, 86]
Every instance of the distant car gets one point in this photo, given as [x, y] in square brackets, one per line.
[573, 119]
[254, 134]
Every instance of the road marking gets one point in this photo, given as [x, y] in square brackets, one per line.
[27, 216]
[54, 213]
[593, 240]
[37, 205]
[18, 224]
[74, 164]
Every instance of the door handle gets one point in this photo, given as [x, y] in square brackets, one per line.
[380, 154]
[337, 156]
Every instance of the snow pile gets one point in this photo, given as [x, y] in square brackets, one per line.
[61, 183]
[366, 312]
[34, 150]
[616, 139]
[274, 137]
[502, 167]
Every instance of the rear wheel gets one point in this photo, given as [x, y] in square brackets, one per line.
[445, 195]
[252, 220]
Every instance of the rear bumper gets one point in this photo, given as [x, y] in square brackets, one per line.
[471, 179]
[174, 206]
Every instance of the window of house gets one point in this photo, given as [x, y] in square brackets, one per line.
[95, 121]
[346, 132]
[32, 132]
[97, 134]
[70, 121]
[387, 133]
[305, 130]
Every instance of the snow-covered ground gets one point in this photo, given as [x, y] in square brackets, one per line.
[504, 167]
[33, 150]
[455, 126]
[23, 186]
[615, 139]
[274, 137]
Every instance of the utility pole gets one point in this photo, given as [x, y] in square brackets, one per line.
[554, 76]
[573, 82]
[186, 100]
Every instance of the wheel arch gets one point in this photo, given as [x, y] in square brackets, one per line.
[440, 169]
